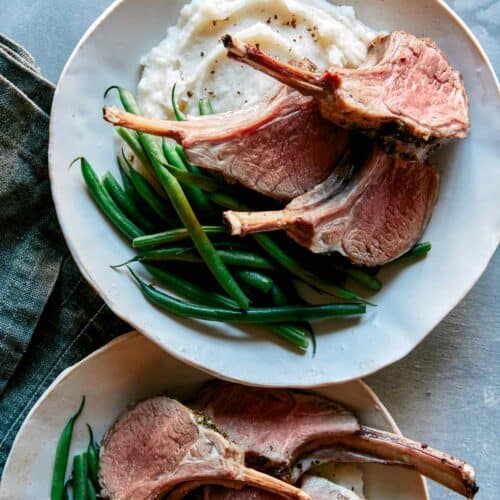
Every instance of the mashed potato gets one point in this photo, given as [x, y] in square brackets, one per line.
[193, 57]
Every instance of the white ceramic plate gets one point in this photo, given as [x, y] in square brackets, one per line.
[132, 368]
[464, 230]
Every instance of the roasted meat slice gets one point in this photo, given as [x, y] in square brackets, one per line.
[371, 216]
[280, 148]
[276, 427]
[405, 94]
[161, 447]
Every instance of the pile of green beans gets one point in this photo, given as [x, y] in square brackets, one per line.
[84, 479]
[160, 213]
[183, 208]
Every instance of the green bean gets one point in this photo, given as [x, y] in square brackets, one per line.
[296, 268]
[125, 203]
[182, 154]
[243, 258]
[205, 107]
[179, 116]
[233, 244]
[419, 250]
[184, 254]
[149, 195]
[93, 458]
[199, 199]
[255, 279]
[189, 179]
[80, 476]
[62, 454]
[197, 294]
[278, 296]
[225, 200]
[133, 143]
[237, 258]
[291, 333]
[104, 201]
[129, 188]
[252, 315]
[184, 210]
[359, 275]
[155, 240]
[190, 290]
[91, 491]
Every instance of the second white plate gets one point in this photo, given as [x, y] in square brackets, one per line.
[133, 368]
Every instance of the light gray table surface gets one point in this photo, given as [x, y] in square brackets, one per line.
[447, 392]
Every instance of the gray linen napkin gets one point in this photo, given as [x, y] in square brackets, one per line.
[49, 317]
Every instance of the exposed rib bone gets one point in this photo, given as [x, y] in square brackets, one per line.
[405, 95]
[372, 217]
[281, 147]
[441, 467]
[278, 427]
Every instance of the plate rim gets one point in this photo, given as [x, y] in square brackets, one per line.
[182, 357]
[135, 335]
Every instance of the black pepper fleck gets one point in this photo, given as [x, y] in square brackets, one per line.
[189, 94]
[202, 53]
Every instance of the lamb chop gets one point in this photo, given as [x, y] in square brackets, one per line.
[280, 148]
[405, 94]
[370, 210]
[161, 447]
[277, 427]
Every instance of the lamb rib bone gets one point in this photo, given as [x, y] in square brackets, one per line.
[160, 445]
[372, 213]
[278, 427]
[406, 95]
[281, 147]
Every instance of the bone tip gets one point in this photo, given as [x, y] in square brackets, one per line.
[470, 475]
[110, 114]
[227, 41]
[234, 46]
[233, 222]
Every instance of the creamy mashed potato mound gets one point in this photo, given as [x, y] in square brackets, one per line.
[193, 56]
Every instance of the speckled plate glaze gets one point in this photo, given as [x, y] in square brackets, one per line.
[464, 230]
[133, 368]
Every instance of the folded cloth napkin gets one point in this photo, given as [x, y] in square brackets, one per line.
[49, 316]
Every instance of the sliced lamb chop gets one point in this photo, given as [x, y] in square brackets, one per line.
[276, 427]
[372, 217]
[160, 446]
[405, 94]
[280, 148]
